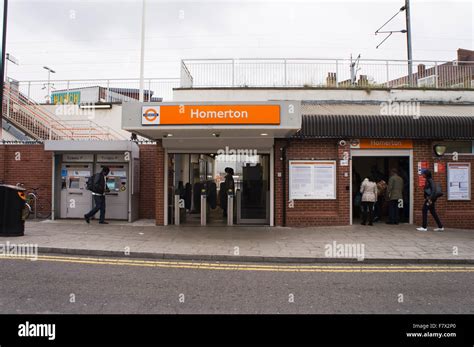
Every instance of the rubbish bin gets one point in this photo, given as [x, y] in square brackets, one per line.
[12, 203]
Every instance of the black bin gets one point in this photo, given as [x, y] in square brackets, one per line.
[12, 203]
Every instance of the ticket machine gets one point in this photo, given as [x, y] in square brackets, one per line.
[117, 199]
[76, 200]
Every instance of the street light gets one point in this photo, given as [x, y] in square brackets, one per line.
[50, 71]
[142, 54]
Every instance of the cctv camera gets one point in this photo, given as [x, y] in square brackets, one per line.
[342, 143]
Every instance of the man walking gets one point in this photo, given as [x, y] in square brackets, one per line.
[395, 194]
[99, 188]
[431, 195]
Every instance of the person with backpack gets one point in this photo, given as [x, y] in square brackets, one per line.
[97, 184]
[431, 193]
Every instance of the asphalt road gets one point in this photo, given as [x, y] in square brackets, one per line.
[70, 284]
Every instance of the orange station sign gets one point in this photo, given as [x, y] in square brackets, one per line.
[210, 114]
[381, 144]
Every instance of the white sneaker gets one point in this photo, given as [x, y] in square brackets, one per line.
[439, 229]
[422, 229]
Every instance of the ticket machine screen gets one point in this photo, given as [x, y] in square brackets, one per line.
[74, 182]
[111, 184]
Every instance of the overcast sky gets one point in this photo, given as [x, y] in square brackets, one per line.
[101, 38]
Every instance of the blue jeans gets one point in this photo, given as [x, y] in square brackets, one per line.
[99, 202]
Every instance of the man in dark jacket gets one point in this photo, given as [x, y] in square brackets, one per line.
[99, 188]
[229, 187]
[430, 195]
[395, 194]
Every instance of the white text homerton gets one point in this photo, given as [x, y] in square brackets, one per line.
[196, 113]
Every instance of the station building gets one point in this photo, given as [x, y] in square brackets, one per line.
[298, 156]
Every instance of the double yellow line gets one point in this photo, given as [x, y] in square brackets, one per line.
[250, 266]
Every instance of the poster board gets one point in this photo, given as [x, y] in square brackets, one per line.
[312, 179]
[459, 181]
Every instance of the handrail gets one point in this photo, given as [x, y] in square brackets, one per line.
[41, 124]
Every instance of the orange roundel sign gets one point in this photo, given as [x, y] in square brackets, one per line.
[151, 114]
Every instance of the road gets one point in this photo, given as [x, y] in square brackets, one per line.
[78, 284]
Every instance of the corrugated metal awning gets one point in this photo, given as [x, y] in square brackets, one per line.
[378, 126]
[367, 120]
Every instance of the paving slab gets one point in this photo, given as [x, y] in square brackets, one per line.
[143, 239]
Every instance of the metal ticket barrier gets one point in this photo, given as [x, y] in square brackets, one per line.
[230, 207]
[203, 207]
[179, 210]
[76, 200]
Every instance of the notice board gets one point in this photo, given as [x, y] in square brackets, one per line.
[459, 181]
[312, 179]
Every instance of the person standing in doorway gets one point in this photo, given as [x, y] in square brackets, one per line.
[229, 186]
[395, 195]
[431, 195]
[99, 188]
[368, 190]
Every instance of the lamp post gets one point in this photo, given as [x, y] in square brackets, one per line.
[142, 54]
[50, 71]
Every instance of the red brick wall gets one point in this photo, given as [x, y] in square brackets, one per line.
[159, 183]
[147, 181]
[456, 214]
[312, 212]
[33, 169]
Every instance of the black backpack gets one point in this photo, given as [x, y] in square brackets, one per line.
[438, 190]
[90, 183]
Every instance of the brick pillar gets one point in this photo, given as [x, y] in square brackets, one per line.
[159, 183]
[343, 181]
[278, 182]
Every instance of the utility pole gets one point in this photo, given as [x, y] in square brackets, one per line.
[409, 51]
[407, 30]
[142, 55]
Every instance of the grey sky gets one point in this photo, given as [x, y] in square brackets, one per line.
[101, 39]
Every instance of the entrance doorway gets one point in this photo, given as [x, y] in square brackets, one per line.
[191, 175]
[378, 167]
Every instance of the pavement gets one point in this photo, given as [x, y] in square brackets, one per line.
[356, 243]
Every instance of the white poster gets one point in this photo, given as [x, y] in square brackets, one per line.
[312, 179]
[459, 181]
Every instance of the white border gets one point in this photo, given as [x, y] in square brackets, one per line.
[313, 161]
[469, 181]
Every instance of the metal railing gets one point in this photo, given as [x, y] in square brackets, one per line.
[99, 90]
[39, 124]
[325, 73]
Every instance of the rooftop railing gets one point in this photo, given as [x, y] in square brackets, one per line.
[325, 73]
[99, 90]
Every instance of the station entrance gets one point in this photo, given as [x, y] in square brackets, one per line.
[377, 167]
[219, 188]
